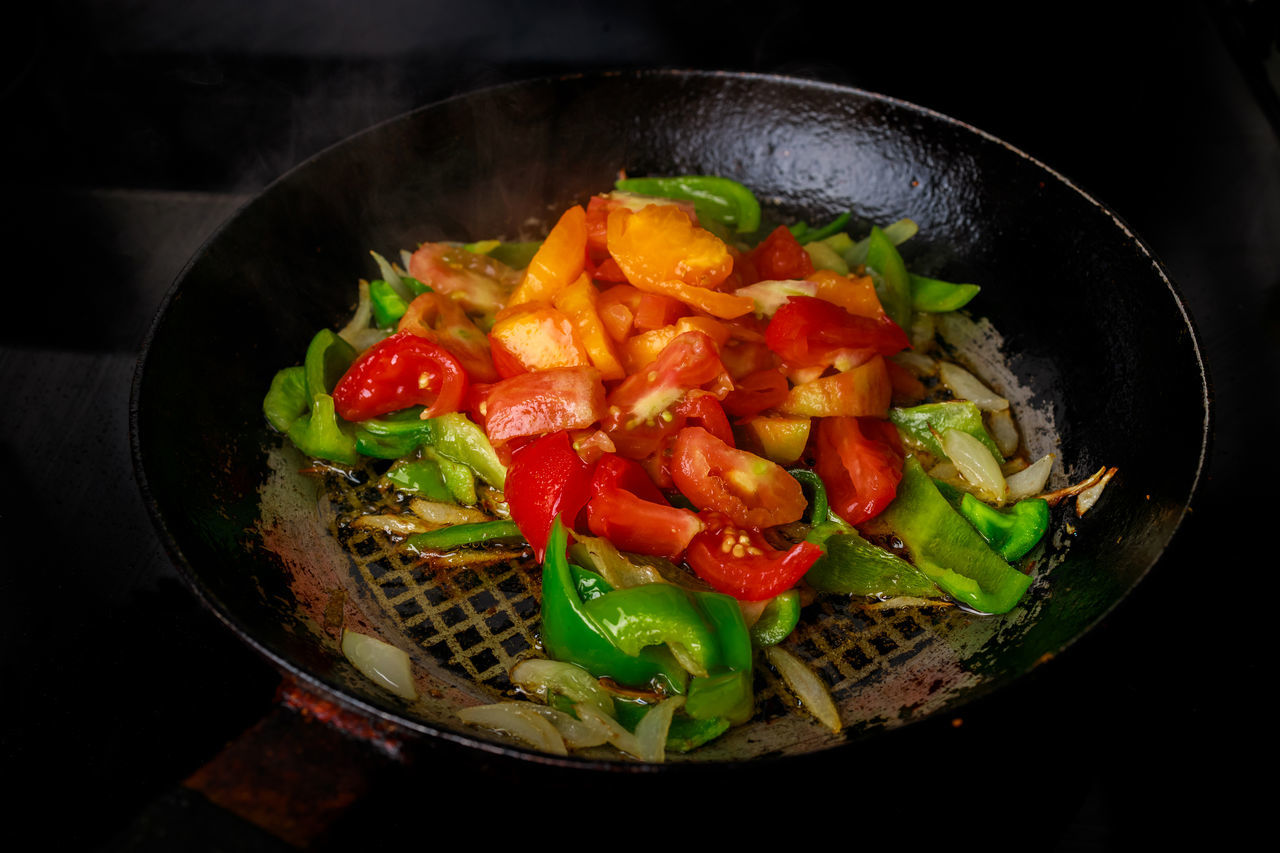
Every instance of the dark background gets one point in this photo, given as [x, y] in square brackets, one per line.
[133, 129]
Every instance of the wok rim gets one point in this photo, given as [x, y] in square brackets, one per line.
[418, 729]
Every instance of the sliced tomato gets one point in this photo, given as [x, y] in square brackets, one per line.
[438, 318]
[701, 408]
[398, 372]
[616, 472]
[741, 563]
[755, 392]
[780, 257]
[860, 462]
[645, 527]
[642, 408]
[750, 490]
[546, 478]
[546, 401]
[806, 332]
[480, 284]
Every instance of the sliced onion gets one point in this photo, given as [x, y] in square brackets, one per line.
[651, 731]
[619, 737]
[361, 319]
[518, 719]
[923, 330]
[1030, 480]
[769, 296]
[1004, 431]
[544, 678]
[804, 682]
[575, 733]
[917, 362]
[976, 464]
[966, 386]
[621, 572]
[441, 514]
[398, 525]
[1086, 499]
[381, 663]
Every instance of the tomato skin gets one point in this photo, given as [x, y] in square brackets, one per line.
[398, 372]
[810, 332]
[642, 409]
[440, 319]
[617, 472]
[546, 478]
[645, 527]
[739, 562]
[860, 461]
[780, 257]
[755, 392]
[564, 398]
[750, 490]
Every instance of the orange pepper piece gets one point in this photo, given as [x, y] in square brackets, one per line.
[579, 302]
[854, 293]
[539, 337]
[660, 250]
[558, 261]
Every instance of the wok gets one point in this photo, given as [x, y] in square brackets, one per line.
[1090, 325]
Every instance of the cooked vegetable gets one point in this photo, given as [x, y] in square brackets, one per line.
[636, 383]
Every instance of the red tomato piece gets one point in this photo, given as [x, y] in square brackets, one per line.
[755, 392]
[780, 257]
[701, 408]
[645, 527]
[750, 490]
[616, 472]
[541, 402]
[642, 408]
[739, 562]
[398, 372]
[440, 319]
[860, 462]
[809, 332]
[546, 478]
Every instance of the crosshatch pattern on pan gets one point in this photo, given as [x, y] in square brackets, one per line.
[480, 617]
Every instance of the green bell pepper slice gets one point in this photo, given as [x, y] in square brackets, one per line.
[919, 423]
[937, 296]
[779, 619]
[454, 436]
[388, 305]
[717, 199]
[850, 565]
[570, 633]
[947, 549]
[805, 235]
[627, 634]
[1012, 532]
[420, 477]
[893, 284]
[299, 403]
[287, 399]
[461, 535]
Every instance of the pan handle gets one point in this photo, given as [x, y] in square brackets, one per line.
[281, 784]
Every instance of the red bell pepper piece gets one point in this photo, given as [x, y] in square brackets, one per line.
[546, 478]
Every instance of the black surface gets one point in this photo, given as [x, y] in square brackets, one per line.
[138, 129]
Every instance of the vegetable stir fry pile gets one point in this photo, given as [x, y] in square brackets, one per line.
[694, 429]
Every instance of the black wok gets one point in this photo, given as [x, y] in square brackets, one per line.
[1089, 320]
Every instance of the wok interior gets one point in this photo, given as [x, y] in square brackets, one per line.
[1089, 323]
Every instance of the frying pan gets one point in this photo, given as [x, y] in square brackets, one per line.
[1092, 331]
